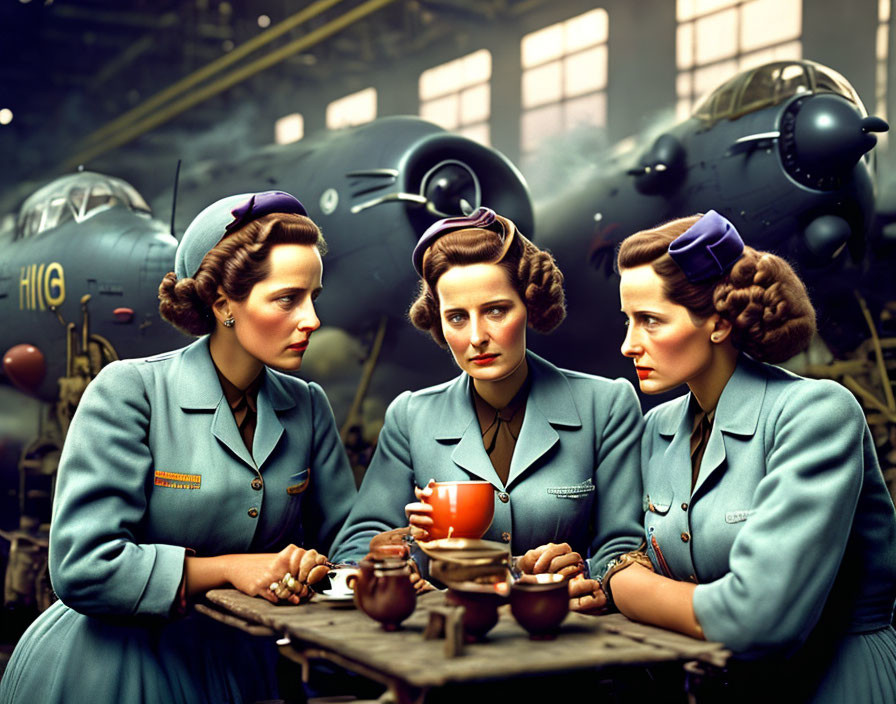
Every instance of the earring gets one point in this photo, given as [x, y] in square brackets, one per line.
[228, 322]
[714, 337]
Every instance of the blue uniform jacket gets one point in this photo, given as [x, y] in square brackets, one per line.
[790, 507]
[573, 477]
[154, 464]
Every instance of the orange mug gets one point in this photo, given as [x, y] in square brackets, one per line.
[461, 509]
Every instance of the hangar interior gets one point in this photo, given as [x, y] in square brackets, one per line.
[555, 86]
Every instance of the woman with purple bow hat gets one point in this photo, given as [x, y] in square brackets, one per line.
[767, 520]
[199, 468]
[559, 447]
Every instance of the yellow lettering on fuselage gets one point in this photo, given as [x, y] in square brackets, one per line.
[41, 286]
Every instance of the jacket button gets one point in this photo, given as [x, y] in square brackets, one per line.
[684, 507]
[253, 512]
[505, 536]
[685, 537]
[257, 483]
[504, 496]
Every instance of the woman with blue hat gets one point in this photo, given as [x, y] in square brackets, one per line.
[767, 519]
[195, 469]
[560, 448]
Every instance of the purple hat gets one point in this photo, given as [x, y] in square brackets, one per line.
[223, 217]
[707, 249]
[483, 218]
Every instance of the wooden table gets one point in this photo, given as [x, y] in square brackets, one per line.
[410, 665]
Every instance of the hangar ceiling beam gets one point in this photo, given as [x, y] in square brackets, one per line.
[209, 70]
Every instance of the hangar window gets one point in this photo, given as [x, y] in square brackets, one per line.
[289, 128]
[883, 54]
[564, 78]
[354, 109]
[718, 38]
[457, 95]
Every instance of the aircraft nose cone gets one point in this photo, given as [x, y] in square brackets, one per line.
[831, 136]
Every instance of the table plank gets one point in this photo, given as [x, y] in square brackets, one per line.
[583, 641]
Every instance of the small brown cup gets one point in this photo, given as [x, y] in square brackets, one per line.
[480, 602]
[539, 603]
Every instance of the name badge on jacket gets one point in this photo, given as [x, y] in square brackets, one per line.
[177, 480]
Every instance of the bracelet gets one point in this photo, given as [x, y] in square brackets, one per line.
[620, 563]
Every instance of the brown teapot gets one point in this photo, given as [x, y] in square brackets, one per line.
[383, 589]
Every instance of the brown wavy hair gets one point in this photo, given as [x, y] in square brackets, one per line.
[236, 264]
[533, 273]
[761, 296]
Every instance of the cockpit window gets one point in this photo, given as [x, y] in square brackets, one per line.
[76, 197]
[770, 84]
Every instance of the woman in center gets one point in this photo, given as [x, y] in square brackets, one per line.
[560, 448]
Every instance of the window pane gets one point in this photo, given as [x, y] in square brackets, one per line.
[684, 84]
[445, 112]
[684, 45]
[540, 123]
[477, 68]
[354, 109]
[474, 104]
[702, 7]
[684, 10]
[765, 22]
[587, 110]
[586, 30]
[883, 10]
[586, 71]
[478, 133]
[543, 45]
[709, 77]
[289, 128]
[542, 85]
[716, 37]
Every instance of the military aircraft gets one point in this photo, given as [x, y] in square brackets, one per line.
[80, 271]
[782, 150]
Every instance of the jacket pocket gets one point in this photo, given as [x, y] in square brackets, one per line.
[298, 482]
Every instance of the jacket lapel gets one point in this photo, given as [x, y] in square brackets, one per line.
[678, 424]
[737, 413]
[459, 424]
[272, 398]
[550, 404]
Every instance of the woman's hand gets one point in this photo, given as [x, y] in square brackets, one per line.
[390, 538]
[558, 558]
[253, 574]
[420, 514]
[586, 596]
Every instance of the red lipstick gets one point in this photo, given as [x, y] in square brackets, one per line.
[483, 359]
[299, 346]
[643, 372]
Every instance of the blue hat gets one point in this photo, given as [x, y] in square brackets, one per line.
[223, 217]
[483, 218]
[707, 249]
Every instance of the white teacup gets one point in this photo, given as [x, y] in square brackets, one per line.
[341, 579]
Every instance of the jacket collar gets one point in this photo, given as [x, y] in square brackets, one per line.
[198, 389]
[737, 413]
[550, 403]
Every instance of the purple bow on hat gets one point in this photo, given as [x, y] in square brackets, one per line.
[484, 218]
[707, 249]
[264, 204]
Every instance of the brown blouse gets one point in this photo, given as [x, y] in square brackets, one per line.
[242, 403]
[699, 439]
[501, 427]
